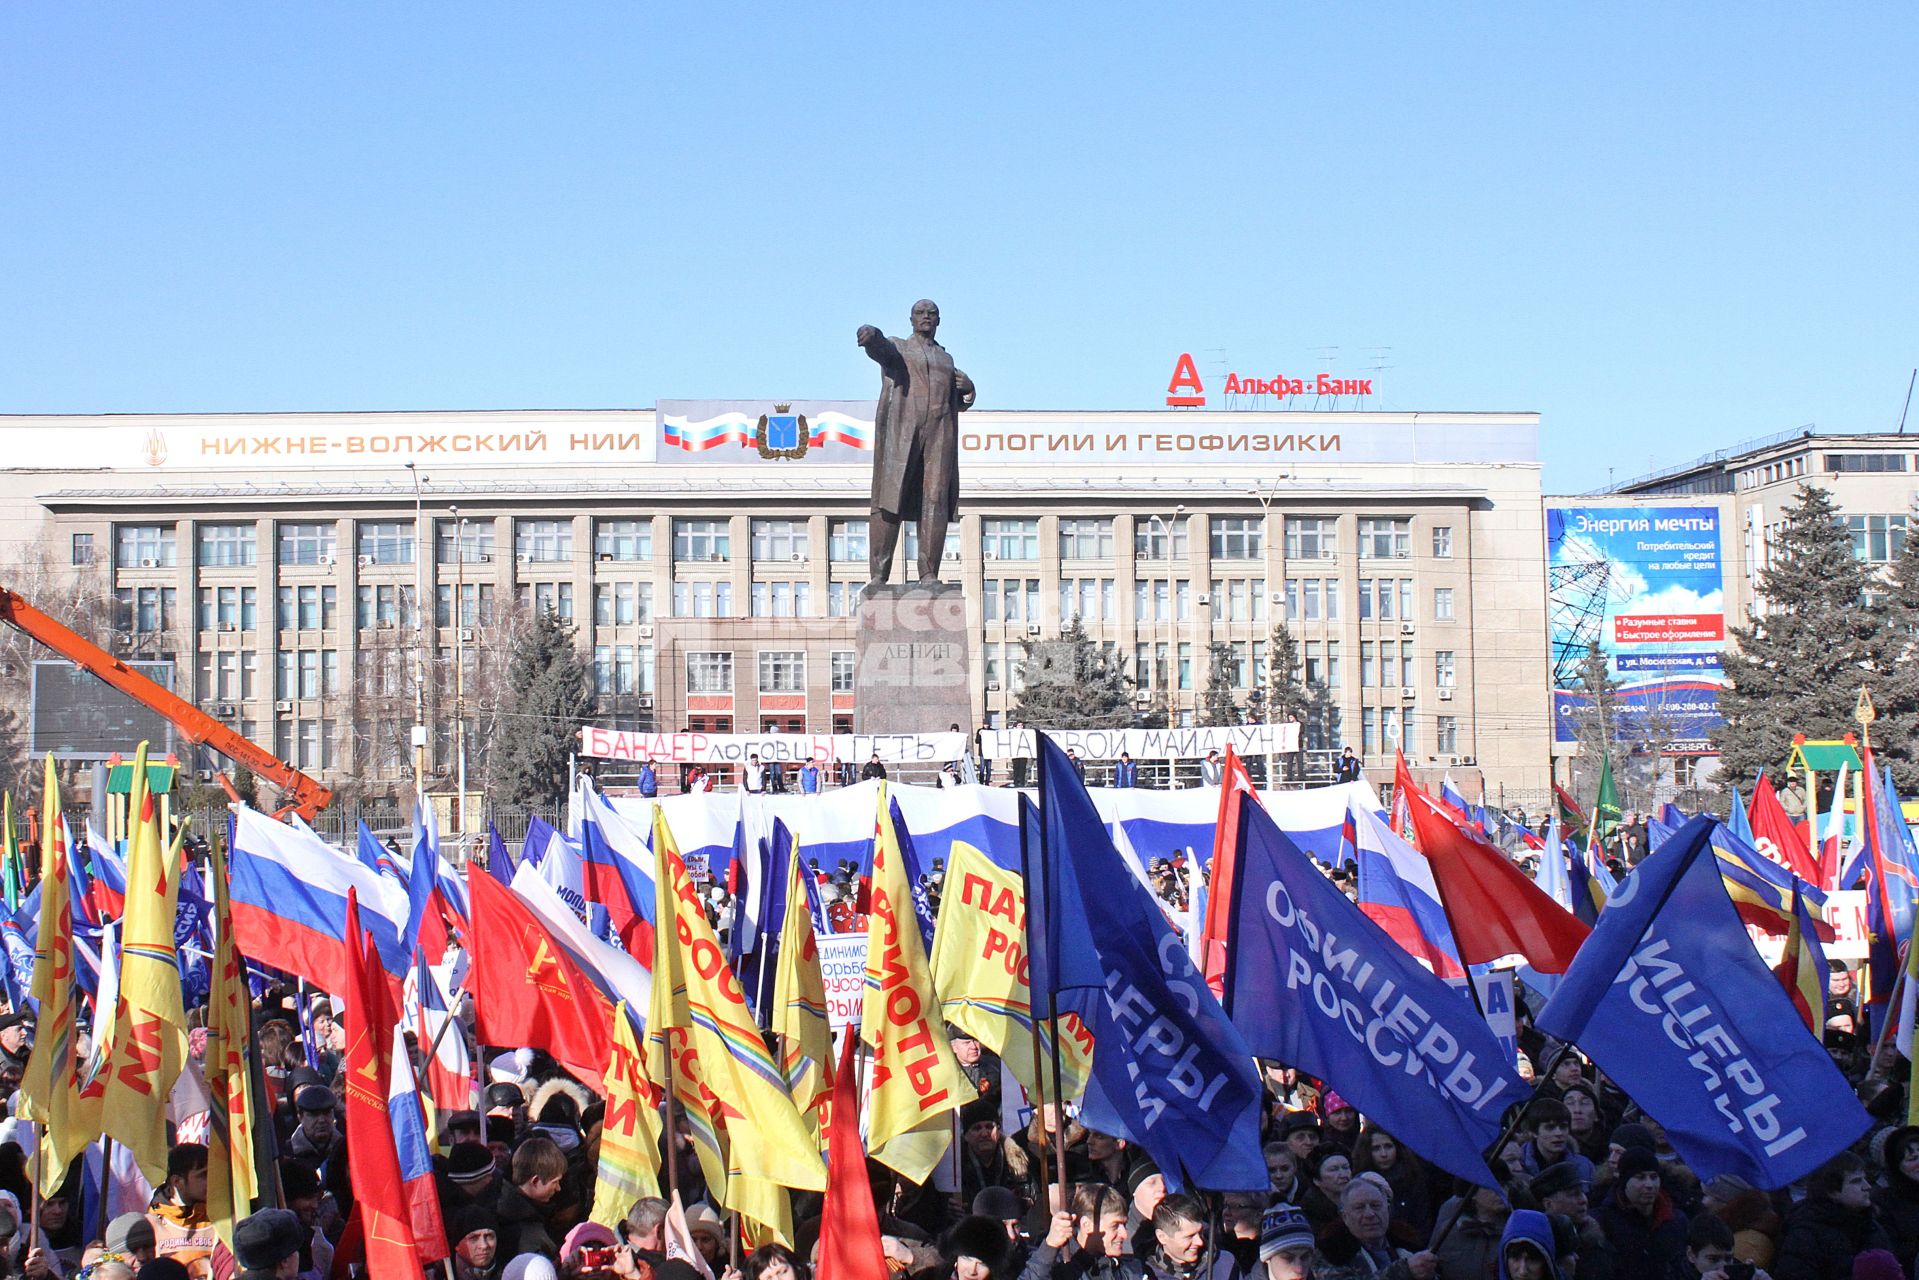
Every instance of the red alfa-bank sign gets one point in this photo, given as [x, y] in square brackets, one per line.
[1188, 391]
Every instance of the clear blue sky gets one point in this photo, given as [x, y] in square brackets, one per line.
[1666, 227]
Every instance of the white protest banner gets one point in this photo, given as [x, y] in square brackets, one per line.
[782, 748]
[843, 969]
[1150, 744]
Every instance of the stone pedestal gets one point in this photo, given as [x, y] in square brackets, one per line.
[913, 659]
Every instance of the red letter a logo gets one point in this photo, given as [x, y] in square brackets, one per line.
[1185, 378]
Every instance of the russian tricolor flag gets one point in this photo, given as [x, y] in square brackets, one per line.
[616, 866]
[1397, 892]
[416, 1155]
[289, 891]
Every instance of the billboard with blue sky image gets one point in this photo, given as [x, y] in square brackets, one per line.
[1647, 584]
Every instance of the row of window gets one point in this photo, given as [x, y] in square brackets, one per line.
[391, 542]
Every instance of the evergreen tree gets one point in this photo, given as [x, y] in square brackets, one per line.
[1219, 703]
[1799, 665]
[1286, 696]
[1895, 679]
[1071, 683]
[547, 698]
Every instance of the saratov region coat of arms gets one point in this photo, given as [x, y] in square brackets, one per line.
[782, 434]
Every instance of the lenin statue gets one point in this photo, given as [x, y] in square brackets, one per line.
[915, 442]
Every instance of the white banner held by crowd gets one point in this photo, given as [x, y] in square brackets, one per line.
[843, 969]
[784, 748]
[1147, 744]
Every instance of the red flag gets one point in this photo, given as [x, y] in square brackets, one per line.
[527, 989]
[1494, 908]
[1219, 896]
[849, 1246]
[1774, 835]
[373, 1162]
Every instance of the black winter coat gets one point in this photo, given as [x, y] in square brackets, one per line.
[1821, 1239]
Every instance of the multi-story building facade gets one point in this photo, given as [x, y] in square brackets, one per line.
[1723, 512]
[279, 562]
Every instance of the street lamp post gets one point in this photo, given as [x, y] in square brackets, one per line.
[1166, 680]
[1266, 497]
[459, 670]
[420, 737]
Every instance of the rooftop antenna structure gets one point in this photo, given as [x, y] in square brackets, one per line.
[1908, 404]
[1328, 359]
[1381, 358]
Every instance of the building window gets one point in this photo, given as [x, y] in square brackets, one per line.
[471, 545]
[782, 600]
[144, 610]
[229, 608]
[1865, 462]
[701, 540]
[1239, 599]
[782, 671]
[307, 673]
[1877, 539]
[308, 543]
[620, 603]
[1442, 542]
[543, 541]
[1012, 600]
[782, 540]
[143, 546]
[385, 541]
[1005, 539]
[623, 539]
[1159, 537]
[1443, 668]
[476, 605]
[385, 606]
[1312, 537]
[1152, 599]
[555, 598]
[709, 672]
[307, 608]
[846, 541]
[842, 670]
[1238, 538]
[1239, 667]
[843, 598]
[1086, 539]
[305, 744]
[1446, 735]
[1185, 665]
[83, 548]
[1442, 604]
[224, 546]
[702, 599]
[1385, 538]
[1089, 599]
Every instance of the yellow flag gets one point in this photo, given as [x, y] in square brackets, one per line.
[50, 1088]
[149, 1040]
[630, 1134]
[749, 1093]
[916, 1078]
[980, 972]
[799, 1008]
[231, 1182]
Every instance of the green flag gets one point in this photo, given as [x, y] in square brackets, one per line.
[1606, 810]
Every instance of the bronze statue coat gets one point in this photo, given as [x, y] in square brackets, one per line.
[916, 428]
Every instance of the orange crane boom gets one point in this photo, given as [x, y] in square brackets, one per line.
[304, 795]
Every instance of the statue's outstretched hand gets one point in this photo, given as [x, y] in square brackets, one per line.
[866, 334]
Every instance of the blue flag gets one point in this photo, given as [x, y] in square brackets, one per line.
[756, 966]
[499, 863]
[1314, 983]
[1669, 997]
[1170, 1073]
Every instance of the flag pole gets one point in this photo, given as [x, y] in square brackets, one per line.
[1047, 865]
[1032, 1010]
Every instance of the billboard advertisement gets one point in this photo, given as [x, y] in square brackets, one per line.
[1647, 585]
